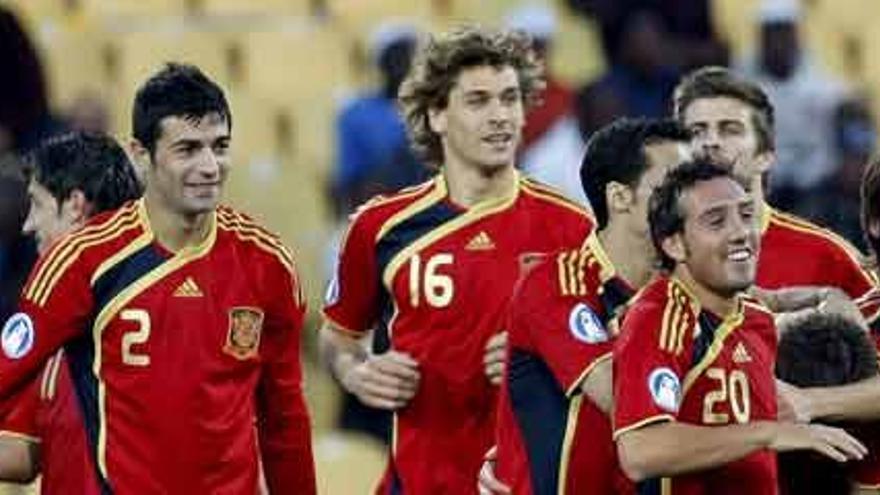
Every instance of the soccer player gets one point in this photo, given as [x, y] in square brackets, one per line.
[180, 319]
[554, 434]
[731, 120]
[431, 268]
[694, 391]
[74, 177]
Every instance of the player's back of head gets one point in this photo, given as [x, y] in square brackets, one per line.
[616, 153]
[177, 90]
[94, 164]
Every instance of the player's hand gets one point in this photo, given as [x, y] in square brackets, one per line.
[384, 381]
[493, 359]
[487, 483]
[792, 404]
[831, 442]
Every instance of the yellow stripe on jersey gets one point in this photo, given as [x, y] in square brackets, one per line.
[571, 424]
[665, 486]
[562, 272]
[420, 204]
[571, 271]
[139, 243]
[474, 214]
[53, 367]
[677, 318]
[71, 252]
[730, 323]
[554, 197]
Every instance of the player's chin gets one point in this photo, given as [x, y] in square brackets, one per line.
[740, 278]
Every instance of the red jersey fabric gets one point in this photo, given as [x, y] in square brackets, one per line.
[174, 356]
[675, 361]
[434, 280]
[797, 252]
[552, 439]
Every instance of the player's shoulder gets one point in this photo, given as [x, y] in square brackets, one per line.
[251, 238]
[381, 211]
[573, 272]
[667, 298]
[549, 198]
[754, 308]
[801, 232]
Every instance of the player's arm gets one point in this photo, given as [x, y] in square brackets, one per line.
[385, 381]
[671, 448]
[858, 401]
[18, 459]
[20, 434]
[282, 417]
[792, 303]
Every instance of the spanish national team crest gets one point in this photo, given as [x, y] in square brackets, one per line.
[243, 338]
[665, 389]
[585, 325]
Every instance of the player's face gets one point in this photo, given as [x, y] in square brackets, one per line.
[662, 156]
[482, 122]
[190, 163]
[47, 220]
[724, 132]
[720, 238]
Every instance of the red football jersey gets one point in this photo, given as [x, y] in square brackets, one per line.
[434, 280]
[563, 316]
[47, 411]
[174, 356]
[796, 252]
[675, 361]
[866, 473]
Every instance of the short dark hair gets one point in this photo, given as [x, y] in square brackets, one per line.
[440, 61]
[815, 351]
[616, 153]
[870, 193]
[93, 164]
[665, 215]
[720, 82]
[177, 90]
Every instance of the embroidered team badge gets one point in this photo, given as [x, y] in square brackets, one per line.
[585, 325]
[243, 338]
[17, 337]
[665, 389]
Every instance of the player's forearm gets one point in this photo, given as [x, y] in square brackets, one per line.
[339, 353]
[17, 460]
[855, 402]
[668, 449]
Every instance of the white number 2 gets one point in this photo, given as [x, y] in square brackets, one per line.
[139, 336]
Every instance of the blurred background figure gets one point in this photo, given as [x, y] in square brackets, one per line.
[372, 151]
[88, 113]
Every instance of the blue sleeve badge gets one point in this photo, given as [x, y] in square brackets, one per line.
[665, 389]
[17, 337]
[585, 325]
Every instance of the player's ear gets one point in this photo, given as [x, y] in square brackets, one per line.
[618, 197]
[437, 120]
[76, 208]
[673, 246]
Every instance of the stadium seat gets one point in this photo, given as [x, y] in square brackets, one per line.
[255, 7]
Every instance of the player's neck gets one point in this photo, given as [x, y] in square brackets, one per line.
[173, 230]
[469, 185]
[720, 304]
[624, 250]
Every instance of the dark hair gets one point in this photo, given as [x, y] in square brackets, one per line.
[93, 164]
[720, 82]
[616, 153]
[821, 350]
[870, 193]
[439, 62]
[177, 90]
[665, 215]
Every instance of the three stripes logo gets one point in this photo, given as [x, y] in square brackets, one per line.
[678, 320]
[571, 267]
[188, 288]
[480, 242]
[740, 354]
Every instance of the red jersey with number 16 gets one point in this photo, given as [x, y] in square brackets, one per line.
[175, 356]
[675, 361]
[434, 280]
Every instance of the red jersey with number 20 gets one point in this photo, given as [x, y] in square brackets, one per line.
[174, 356]
[434, 280]
[675, 361]
[552, 439]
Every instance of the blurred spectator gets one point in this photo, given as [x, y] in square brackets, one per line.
[17, 251]
[806, 100]
[372, 150]
[688, 22]
[24, 107]
[88, 113]
[551, 145]
[642, 76]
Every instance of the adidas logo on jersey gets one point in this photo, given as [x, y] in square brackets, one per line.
[480, 242]
[740, 354]
[188, 288]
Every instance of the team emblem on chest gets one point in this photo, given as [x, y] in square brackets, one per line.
[243, 338]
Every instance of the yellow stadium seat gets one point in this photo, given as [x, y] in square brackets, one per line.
[113, 8]
[735, 21]
[255, 7]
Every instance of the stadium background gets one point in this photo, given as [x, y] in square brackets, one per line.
[287, 66]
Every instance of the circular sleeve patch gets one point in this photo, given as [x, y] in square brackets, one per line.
[665, 389]
[585, 325]
[17, 337]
